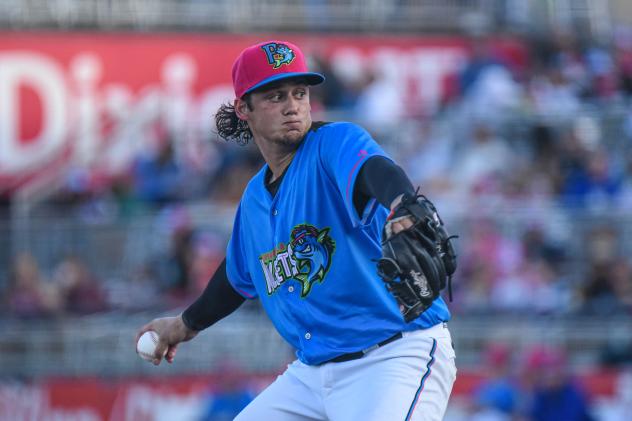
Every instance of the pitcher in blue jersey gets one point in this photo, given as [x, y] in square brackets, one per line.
[305, 239]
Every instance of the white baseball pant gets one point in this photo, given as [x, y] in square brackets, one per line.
[409, 379]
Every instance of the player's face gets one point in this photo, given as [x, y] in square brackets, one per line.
[280, 114]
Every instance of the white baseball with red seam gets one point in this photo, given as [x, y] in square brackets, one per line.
[146, 345]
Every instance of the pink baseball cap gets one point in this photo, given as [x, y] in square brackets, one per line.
[268, 62]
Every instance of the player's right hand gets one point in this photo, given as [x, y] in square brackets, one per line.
[171, 331]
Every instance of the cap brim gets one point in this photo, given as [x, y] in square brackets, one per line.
[311, 78]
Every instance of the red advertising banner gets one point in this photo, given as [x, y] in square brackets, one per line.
[94, 100]
[188, 398]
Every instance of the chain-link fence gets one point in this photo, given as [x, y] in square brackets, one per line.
[113, 249]
[104, 345]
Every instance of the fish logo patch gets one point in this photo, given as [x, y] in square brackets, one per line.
[306, 259]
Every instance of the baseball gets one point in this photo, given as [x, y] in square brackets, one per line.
[146, 345]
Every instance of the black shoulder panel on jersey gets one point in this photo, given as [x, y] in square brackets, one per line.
[318, 124]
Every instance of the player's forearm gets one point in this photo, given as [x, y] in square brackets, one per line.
[218, 300]
[384, 180]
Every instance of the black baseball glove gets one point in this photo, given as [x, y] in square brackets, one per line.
[418, 262]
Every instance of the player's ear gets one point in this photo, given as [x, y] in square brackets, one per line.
[241, 108]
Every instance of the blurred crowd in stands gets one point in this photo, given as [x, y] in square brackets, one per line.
[536, 384]
[548, 140]
[531, 166]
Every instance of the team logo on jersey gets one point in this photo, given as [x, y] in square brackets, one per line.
[306, 259]
[278, 54]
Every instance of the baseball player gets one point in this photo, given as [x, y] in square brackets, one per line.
[346, 258]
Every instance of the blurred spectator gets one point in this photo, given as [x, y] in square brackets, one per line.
[428, 158]
[536, 246]
[555, 393]
[334, 94]
[484, 162]
[591, 182]
[623, 58]
[494, 95]
[496, 398]
[488, 256]
[553, 96]
[621, 406]
[29, 295]
[532, 287]
[536, 283]
[600, 62]
[621, 274]
[231, 393]
[82, 292]
[565, 55]
[157, 175]
[379, 105]
[237, 167]
[617, 355]
[607, 284]
[208, 253]
[174, 270]
[474, 296]
[606, 290]
[483, 57]
[122, 193]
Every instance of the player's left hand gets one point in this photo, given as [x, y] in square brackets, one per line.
[402, 223]
[418, 258]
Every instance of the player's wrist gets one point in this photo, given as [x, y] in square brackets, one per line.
[187, 326]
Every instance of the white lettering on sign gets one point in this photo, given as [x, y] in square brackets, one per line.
[430, 66]
[145, 403]
[105, 125]
[46, 78]
[30, 403]
[424, 68]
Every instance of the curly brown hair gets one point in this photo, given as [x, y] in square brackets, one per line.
[230, 126]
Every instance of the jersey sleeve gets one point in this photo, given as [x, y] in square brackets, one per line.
[236, 265]
[344, 149]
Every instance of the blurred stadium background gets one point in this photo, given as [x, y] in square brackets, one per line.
[116, 197]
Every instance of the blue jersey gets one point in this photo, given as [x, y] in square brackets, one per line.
[310, 258]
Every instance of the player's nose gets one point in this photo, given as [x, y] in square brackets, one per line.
[291, 105]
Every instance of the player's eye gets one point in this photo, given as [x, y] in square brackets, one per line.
[276, 97]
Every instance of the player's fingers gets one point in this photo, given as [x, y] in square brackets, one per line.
[406, 223]
[401, 224]
[161, 350]
[171, 353]
[142, 330]
[398, 227]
